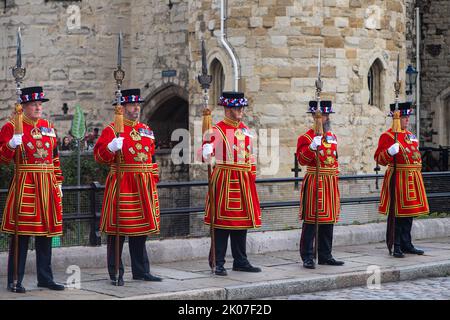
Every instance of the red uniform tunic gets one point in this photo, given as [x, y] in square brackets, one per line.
[233, 178]
[139, 204]
[411, 198]
[40, 212]
[329, 197]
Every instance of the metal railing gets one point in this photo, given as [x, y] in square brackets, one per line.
[182, 205]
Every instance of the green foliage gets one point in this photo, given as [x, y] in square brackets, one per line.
[90, 170]
[78, 129]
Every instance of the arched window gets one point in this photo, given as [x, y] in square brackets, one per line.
[218, 81]
[374, 84]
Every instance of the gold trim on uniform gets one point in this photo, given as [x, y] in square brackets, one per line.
[135, 135]
[239, 134]
[138, 146]
[131, 150]
[231, 122]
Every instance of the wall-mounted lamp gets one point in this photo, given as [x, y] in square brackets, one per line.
[411, 77]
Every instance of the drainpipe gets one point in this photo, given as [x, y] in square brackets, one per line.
[418, 74]
[227, 46]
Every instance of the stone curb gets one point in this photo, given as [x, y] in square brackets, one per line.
[171, 250]
[299, 286]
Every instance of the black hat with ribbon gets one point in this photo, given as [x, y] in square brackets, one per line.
[130, 96]
[233, 99]
[32, 94]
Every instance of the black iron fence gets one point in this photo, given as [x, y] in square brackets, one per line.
[182, 206]
[435, 159]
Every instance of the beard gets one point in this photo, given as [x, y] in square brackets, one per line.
[327, 126]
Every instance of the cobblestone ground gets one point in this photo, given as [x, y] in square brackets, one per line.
[423, 289]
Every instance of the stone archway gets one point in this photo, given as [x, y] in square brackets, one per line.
[441, 118]
[166, 110]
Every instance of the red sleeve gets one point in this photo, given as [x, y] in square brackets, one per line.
[305, 156]
[381, 154]
[6, 152]
[56, 162]
[101, 151]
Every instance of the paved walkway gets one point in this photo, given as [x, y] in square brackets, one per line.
[282, 275]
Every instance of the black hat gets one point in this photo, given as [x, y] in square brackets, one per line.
[232, 99]
[31, 94]
[325, 106]
[404, 108]
[130, 96]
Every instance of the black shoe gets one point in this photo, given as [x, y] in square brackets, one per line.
[247, 268]
[117, 283]
[413, 251]
[17, 289]
[398, 253]
[220, 271]
[52, 286]
[148, 277]
[309, 264]
[331, 262]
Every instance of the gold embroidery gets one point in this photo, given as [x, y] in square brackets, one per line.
[141, 157]
[39, 144]
[135, 135]
[329, 161]
[239, 135]
[131, 150]
[40, 153]
[138, 146]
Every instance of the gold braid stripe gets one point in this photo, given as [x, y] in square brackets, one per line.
[407, 167]
[322, 171]
[138, 168]
[36, 168]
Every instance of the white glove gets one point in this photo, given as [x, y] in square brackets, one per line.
[116, 144]
[317, 141]
[60, 190]
[207, 150]
[15, 141]
[393, 150]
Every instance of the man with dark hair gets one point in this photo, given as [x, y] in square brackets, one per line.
[139, 204]
[328, 190]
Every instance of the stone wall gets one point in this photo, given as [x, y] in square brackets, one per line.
[276, 41]
[277, 44]
[435, 66]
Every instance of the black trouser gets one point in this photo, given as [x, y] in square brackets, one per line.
[43, 247]
[325, 241]
[403, 233]
[238, 246]
[140, 264]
